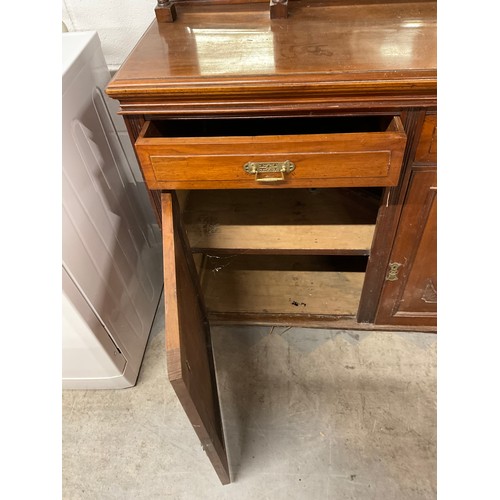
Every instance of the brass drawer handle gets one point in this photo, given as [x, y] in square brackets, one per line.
[262, 169]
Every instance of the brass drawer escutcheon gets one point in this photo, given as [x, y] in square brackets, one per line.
[261, 169]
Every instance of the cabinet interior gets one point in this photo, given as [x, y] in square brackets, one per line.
[227, 127]
[290, 252]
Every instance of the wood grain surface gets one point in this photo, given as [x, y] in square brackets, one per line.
[190, 363]
[234, 59]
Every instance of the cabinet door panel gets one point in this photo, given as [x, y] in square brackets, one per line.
[409, 296]
[427, 145]
[190, 362]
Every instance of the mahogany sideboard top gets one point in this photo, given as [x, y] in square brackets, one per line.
[233, 58]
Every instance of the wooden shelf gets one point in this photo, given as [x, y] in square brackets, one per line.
[301, 221]
[285, 285]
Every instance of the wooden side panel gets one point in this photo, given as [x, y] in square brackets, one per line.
[427, 146]
[134, 125]
[188, 343]
[409, 296]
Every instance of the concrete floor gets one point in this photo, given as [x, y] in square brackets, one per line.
[308, 414]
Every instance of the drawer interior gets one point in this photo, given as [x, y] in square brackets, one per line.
[291, 253]
[232, 127]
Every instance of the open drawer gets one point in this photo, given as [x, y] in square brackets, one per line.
[233, 153]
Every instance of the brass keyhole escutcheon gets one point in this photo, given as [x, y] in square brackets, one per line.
[392, 273]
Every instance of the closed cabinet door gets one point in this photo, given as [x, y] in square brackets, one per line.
[190, 362]
[409, 295]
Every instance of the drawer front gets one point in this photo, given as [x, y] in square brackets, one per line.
[427, 145]
[320, 160]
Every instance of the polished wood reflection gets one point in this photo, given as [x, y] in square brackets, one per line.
[335, 48]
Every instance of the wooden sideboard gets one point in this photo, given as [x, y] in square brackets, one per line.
[292, 165]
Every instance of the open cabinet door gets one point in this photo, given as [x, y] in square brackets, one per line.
[190, 362]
